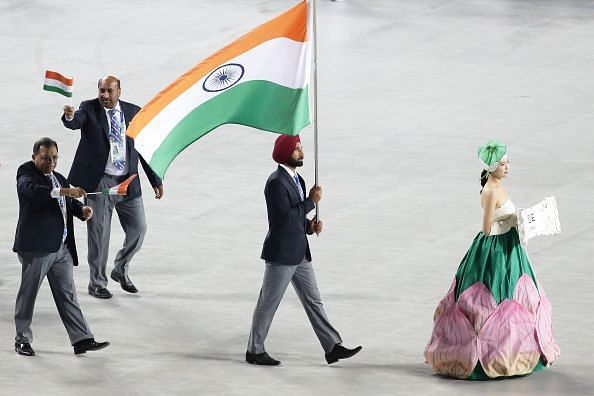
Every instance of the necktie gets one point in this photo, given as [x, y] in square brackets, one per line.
[116, 140]
[114, 131]
[61, 201]
[298, 183]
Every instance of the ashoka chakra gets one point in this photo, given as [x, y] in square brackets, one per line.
[223, 77]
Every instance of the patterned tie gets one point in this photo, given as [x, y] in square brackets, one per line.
[116, 140]
[114, 131]
[298, 183]
[61, 201]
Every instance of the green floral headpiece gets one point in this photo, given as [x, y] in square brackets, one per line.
[490, 154]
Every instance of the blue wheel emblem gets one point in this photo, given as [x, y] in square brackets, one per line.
[223, 77]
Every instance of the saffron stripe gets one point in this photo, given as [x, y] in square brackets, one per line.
[292, 24]
[57, 76]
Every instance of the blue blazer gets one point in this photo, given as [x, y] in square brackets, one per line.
[286, 241]
[40, 226]
[92, 153]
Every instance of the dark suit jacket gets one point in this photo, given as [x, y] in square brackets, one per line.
[92, 153]
[40, 226]
[286, 241]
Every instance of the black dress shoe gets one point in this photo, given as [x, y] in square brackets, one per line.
[340, 352]
[88, 345]
[99, 292]
[24, 349]
[262, 359]
[124, 281]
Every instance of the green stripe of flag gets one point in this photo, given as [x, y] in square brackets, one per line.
[56, 89]
[259, 104]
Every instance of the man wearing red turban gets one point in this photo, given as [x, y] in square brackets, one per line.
[287, 256]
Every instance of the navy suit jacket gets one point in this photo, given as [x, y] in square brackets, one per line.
[286, 241]
[40, 226]
[92, 153]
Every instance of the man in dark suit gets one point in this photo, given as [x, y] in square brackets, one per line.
[45, 246]
[104, 158]
[287, 256]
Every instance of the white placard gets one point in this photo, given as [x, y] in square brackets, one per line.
[539, 219]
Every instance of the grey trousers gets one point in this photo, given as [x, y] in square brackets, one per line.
[276, 280]
[131, 215]
[58, 269]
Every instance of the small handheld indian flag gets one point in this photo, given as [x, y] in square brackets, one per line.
[120, 189]
[55, 82]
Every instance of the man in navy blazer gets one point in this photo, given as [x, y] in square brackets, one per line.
[44, 243]
[287, 256]
[104, 158]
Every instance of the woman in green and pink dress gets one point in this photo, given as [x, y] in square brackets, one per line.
[495, 321]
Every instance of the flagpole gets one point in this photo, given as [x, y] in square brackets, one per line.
[315, 96]
[72, 94]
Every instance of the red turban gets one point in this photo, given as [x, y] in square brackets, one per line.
[284, 147]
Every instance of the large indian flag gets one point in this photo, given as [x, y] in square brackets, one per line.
[259, 80]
